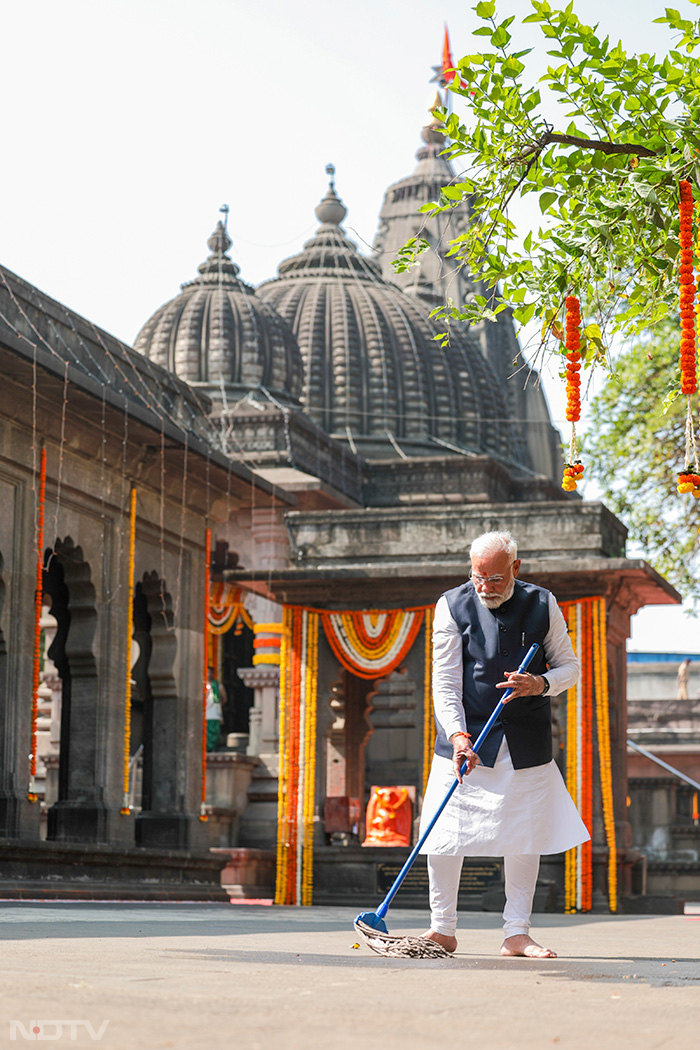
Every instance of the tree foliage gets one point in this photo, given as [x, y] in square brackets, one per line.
[636, 444]
[602, 137]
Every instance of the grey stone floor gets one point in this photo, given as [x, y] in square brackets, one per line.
[257, 978]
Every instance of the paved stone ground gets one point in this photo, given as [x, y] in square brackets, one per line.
[203, 977]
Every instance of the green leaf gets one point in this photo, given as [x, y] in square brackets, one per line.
[547, 200]
[485, 9]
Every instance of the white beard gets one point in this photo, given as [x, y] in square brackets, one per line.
[495, 601]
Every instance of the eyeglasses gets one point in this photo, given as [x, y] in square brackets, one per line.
[485, 579]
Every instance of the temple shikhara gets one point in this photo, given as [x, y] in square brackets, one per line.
[220, 551]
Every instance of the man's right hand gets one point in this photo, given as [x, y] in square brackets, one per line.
[461, 751]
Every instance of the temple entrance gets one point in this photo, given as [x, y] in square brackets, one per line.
[141, 749]
[161, 822]
[237, 651]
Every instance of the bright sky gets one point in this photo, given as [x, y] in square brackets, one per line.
[127, 123]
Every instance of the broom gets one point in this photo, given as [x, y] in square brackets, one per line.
[370, 924]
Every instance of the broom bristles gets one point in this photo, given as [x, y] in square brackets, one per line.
[400, 947]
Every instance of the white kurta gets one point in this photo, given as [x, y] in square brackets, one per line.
[500, 811]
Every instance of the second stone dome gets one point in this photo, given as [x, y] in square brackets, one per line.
[374, 375]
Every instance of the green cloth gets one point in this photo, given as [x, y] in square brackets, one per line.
[213, 733]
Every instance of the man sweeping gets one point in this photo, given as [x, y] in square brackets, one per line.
[512, 802]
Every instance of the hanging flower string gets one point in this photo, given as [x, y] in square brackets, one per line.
[38, 596]
[586, 623]
[126, 760]
[689, 478]
[428, 718]
[297, 769]
[574, 468]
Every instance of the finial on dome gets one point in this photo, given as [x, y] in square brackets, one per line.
[219, 242]
[331, 209]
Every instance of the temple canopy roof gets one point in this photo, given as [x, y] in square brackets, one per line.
[218, 334]
[374, 375]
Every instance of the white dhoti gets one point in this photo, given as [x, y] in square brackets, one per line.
[517, 814]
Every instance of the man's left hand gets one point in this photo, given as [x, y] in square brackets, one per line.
[522, 684]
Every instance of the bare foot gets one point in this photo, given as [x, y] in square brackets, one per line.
[448, 943]
[523, 944]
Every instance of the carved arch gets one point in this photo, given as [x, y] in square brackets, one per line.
[67, 580]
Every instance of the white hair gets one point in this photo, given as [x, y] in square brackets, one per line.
[494, 543]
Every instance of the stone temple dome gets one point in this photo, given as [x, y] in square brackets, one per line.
[218, 334]
[374, 376]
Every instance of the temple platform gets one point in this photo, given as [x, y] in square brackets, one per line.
[97, 872]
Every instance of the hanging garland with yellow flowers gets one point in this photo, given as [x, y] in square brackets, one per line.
[125, 810]
[297, 767]
[588, 720]
[689, 478]
[574, 468]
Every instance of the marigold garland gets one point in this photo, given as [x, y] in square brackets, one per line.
[686, 279]
[586, 623]
[297, 772]
[371, 644]
[600, 652]
[688, 479]
[38, 598]
[126, 758]
[428, 717]
[574, 468]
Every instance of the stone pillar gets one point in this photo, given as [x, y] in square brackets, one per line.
[258, 827]
[269, 548]
[80, 813]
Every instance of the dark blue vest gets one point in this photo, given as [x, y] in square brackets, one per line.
[495, 641]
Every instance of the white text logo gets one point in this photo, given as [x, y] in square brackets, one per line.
[53, 1030]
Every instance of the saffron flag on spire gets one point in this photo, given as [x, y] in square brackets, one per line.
[447, 63]
[448, 66]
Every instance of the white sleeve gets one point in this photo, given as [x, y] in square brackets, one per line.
[563, 668]
[447, 671]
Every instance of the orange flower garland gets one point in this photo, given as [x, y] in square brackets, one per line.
[588, 725]
[574, 468]
[126, 749]
[297, 767]
[687, 291]
[428, 717]
[688, 479]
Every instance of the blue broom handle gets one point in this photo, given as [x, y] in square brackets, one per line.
[384, 906]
